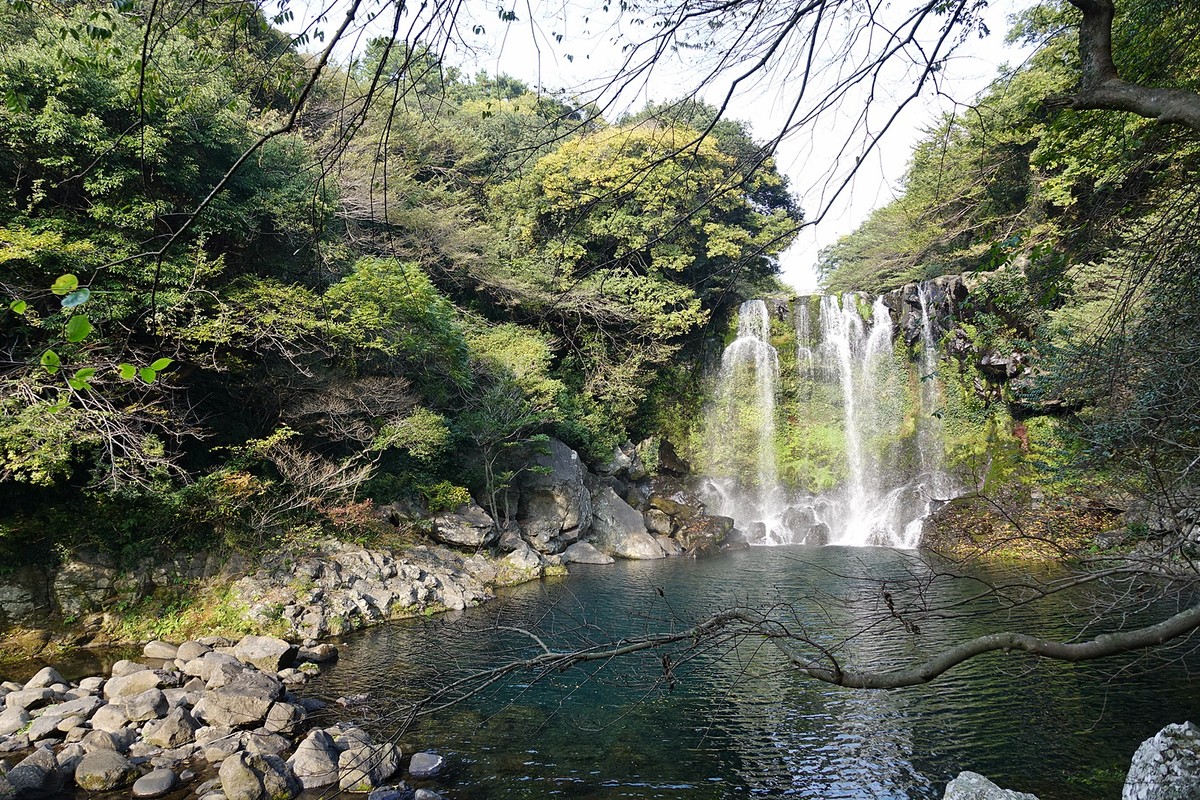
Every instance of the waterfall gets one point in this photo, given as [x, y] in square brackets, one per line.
[741, 423]
[857, 459]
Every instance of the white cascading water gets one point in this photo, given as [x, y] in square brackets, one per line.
[748, 362]
[890, 483]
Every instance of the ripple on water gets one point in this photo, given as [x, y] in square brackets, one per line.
[740, 722]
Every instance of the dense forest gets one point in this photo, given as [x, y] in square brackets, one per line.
[223, 326]
[251, 295]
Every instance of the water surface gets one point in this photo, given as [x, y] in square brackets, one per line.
[739, 722]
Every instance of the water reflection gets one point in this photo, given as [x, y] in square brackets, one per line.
[739, 721]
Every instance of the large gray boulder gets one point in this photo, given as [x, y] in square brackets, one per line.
[45, 677]
[134, 683]
[973, 786]
[39, 773]
[1166, 766]
[467, 526]
[585, 553]
[242, 703]
[315, 762]
[148, 705]
[555, 506]
[12, 720]
[104, 770]
[618, 528]
[176, 729]
[155, 783]
[265, 652]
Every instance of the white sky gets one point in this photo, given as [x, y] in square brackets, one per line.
[530, 49]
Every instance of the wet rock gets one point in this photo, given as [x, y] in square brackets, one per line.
[657, 521]
[618, 528]
[973, 786]
[265, 652]
[399, 791]
[426, 794]
[704, 535]
[426, 765]
[1166, 766]
[670, 462]
[155, 783]
[318, 654]
[585, 553]
[104, 770]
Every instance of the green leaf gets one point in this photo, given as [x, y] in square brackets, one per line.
[161, 364]
[78, 328]
[148, 374]
[18, 306]
[77, 384]
[77, 298]
[51, 361]
[65, 284]
[127, 371]
[87, 373]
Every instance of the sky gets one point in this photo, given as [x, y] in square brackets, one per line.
[576, 47]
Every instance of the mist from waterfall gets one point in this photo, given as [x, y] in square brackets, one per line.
[890, 469]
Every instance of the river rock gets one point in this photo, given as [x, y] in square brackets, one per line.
[238, 780]
[585, 553]
[148, 705]
[315, 762]
[399, 791]
[618, 528]
[104, 770]
[555, 506]
[30, 699]
[657, 521]
[155, 783]
[317, 654]
[364, 767]
[125, 668]
[426, 794]
[265, 652]
[467, 526]
[973, 786]
[284, 718]
[242, 703]
[12, 720]
[264, 743]
[131, 684]
[1166, 766]
[164, 650]
[69, 757]
[425, 765]
[204, 666]
[110, 717]
[191, 650]
[45, 678]
[177, 728]
[38, 773]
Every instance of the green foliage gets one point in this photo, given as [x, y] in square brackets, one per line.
[444, 496]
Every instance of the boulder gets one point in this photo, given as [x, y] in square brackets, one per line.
[177, 728]
[425, 765]
[555, 506]
[163, 650]
[399, 791]
[238, 780]
[190, 650]
[315, 762]
[657, 521]
[618, 528]
[148, 705]
[1166, 766]
[973, 786]
[284, 718]
[264, 743]
[125, 667]
[318, 654]
[265, 652]
[467, 526]
[110, 718]
[242, 703]
[12, 720]
[364, 767]
[39, 773]
[131, 684]
[204, 666]
[669, 461]
[704, 535]
[155, 783]
[29, 699]
[104, 770]
[585, 553]
[45, 678]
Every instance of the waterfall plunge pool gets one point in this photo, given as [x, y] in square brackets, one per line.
[740, 722]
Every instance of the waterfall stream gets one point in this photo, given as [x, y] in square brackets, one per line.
[854, 454]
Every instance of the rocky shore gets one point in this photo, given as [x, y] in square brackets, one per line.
[219, 719]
